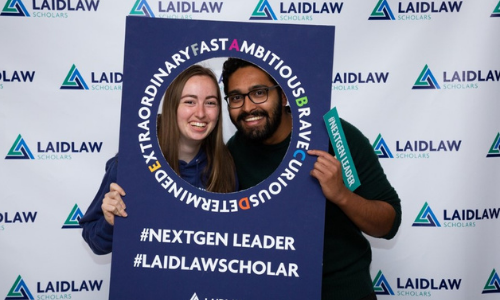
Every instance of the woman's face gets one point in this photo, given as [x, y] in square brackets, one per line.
[198, 109]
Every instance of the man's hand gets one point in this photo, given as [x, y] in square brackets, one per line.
[328, 171]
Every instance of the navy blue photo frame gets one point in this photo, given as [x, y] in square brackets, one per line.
[179, 242]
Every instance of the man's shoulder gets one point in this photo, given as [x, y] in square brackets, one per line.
[353, 135]
[231, 143]
[349, 128]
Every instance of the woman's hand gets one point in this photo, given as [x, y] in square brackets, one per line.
[112, 204]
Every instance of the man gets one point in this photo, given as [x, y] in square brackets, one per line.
[257, 107]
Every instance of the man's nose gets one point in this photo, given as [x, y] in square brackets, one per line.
[248, 104]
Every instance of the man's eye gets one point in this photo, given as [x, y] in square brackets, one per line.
[258, 93]
[235, 98]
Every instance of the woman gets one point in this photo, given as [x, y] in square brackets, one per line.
[190, 136]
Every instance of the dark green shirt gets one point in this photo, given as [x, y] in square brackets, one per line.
[347, 253]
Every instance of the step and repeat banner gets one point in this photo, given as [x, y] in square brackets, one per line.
[421, 79]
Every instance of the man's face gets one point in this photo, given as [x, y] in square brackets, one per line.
[257, 122]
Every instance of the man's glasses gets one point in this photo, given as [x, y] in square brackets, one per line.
[257, 96]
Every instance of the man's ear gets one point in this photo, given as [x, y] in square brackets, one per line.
[284, 100]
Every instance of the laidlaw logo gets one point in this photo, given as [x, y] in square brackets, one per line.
[19, 290]
[492, 284]
[381, 286]
[195, 297]
[426, 217]
[19, 150]
[48, 8]
[142, 8]
[52, 289]
[263, 11]
[14, 8]
[496, 11]
[51, 150]
[349, 81]
[382, 11]
[101, 81]
[455, 79]
[175, 9]
[295, 11]
[419, 149]
[414, 287]
[495, 147]
[455, 218]
[73, 219]
[414, 10]
[381, 148]
[426, 80]
[74, 80]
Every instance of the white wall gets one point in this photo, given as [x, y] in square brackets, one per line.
[452, 261]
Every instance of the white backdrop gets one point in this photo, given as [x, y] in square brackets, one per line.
[441, 141]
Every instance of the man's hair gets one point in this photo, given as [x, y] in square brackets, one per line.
[232, 64]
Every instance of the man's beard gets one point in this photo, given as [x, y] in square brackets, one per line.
[261, 134]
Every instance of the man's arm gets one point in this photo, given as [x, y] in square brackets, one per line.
[373, 217]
